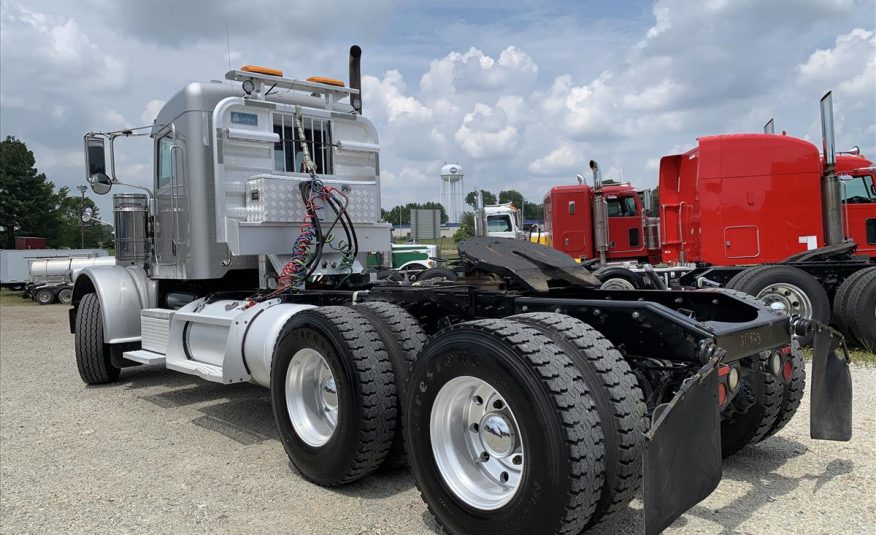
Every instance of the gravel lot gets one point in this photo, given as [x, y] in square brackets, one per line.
[161, 452]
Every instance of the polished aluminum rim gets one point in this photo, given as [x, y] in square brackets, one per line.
[617, 284]
[787, 299]
[311, 397]
[477, 443]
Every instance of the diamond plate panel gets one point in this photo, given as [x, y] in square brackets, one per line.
[271, 199]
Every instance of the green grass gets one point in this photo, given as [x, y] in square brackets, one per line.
[857, 356]
[10, 298]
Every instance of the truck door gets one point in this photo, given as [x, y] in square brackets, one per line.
[169, 188]
[859, 211]
[624, 227]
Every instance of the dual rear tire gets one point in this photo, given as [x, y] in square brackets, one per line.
[336, 376]
[570, 417]
[854, 305]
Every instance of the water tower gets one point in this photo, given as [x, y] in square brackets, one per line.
[452, 191]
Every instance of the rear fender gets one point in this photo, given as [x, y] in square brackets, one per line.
[122, 292]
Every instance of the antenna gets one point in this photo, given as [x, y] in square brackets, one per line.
[228, 43]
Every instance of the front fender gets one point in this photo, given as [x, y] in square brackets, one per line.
[122, 292]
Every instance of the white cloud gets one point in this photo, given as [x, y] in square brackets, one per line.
[55, 52]
[389, 93]
[485, 134]
[151, 112]
[850, 64]
[565, 159]
[474, 71]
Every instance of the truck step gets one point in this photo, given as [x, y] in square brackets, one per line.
[144, 357]
[209, 372]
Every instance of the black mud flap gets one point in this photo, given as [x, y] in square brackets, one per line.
[830, 417]
[683, 449]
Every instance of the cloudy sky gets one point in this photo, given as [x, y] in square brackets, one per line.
[522, 94]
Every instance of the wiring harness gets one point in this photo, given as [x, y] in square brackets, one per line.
[308, 247]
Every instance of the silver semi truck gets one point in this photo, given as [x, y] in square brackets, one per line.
[524, 398]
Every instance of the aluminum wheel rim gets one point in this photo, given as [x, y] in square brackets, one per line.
[617, 284]
[477, 443]
[786, 299]
[311, 397]
[44, 297]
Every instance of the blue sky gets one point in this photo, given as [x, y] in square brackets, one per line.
[522, 94]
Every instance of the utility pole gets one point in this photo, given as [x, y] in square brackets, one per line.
[82, 189]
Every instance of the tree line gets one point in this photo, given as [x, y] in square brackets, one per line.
[31, 206]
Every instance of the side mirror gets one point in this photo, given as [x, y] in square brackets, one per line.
[648, 200]
[86, 215]
[95, 164]
[100, 183]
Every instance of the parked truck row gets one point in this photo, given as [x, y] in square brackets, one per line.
[764, 214]
[524, 397]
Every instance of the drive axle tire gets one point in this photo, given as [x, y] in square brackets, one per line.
[791, 289]
[792, 393]
[92, 354]
[333, 395]
[741, 429]
[855, 306]
[403, 338]
[618, 399]
[618, 278]
[44, 296]
[502, 432]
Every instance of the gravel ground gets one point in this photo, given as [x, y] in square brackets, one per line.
[161, 452]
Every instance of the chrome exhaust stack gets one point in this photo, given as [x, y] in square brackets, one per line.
[600, 215]
[831, 196]
[356, 77]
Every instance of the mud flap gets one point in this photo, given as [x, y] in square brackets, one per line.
[682, 463]
[830, 417]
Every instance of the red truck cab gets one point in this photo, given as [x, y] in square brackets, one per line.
[748, 199]
[569, 221]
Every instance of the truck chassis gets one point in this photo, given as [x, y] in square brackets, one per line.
[523, 354]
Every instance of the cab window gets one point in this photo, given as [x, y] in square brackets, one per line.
[498, 223]
[288, 154]
[858, 189]
[165, 162]
[622, 207]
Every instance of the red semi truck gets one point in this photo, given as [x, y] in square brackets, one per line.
[766, 214]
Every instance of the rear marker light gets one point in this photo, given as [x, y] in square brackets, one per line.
[787, 369]
[776, 364]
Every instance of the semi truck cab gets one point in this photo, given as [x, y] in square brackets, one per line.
[569, 221]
